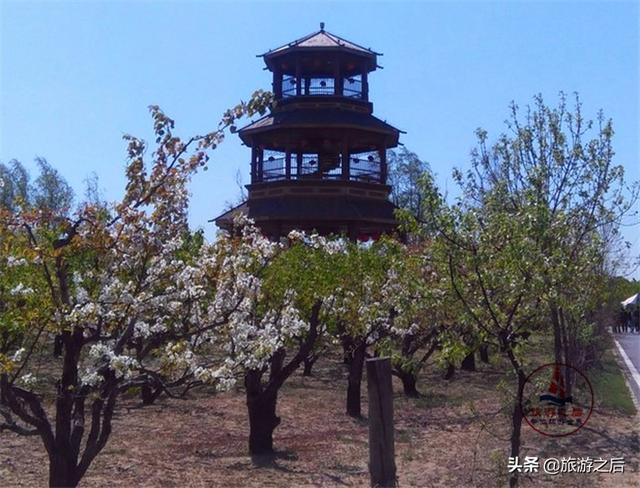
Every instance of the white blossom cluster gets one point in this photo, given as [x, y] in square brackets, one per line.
[316, 241]
[21, 290]
[100, 356]
[13, 262]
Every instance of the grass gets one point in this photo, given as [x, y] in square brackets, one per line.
[454, 435]
[609, 386]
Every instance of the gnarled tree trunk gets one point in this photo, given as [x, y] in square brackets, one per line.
[409, 381]
[469, 362]
[149, 394]
[262, 397]
[449, 372]
[62, 470]
[308, 363]
[262, 414]
[348, 347]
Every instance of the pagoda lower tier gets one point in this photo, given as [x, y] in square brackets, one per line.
[356, 210]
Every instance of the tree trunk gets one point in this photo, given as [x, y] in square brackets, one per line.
[262, 399]
[3, 387]
[69, 416]
[557, 334]
[62, 472]
[516, 428]
[261, 404]
[566, 350]
[309, 361]
[58, 345]
[469, 362]
[262, 422]
[148, 394]
[409, 384]
[451, 369]
[355, 379]
[348, 347]
[484, 353]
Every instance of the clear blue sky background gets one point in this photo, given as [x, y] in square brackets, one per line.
[75, 76]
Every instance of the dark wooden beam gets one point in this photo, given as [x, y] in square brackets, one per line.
[298, 77]
[288, 163]
[365, 83]
[346, 160]
[382, 151]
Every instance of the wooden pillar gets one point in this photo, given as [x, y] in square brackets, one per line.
[383, 165]
[260, 164]
[298, 77]
[365, 84]
[287, 163]
[299, 164]
[307, 84]
[254, 164]
[382, 464]
[346, 160]
[277, 83]
[339, 79]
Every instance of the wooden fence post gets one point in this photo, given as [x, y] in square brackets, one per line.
[382, 464]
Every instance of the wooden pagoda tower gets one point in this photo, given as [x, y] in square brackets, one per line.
[318, 159]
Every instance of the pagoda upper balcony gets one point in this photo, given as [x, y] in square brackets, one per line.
[350, 87]
[321, 64]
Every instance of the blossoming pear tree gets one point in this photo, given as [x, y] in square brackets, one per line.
[423, 314]
[368, 297]
[113, 285]
[284, 318]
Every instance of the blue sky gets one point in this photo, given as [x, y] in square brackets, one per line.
[76, 76]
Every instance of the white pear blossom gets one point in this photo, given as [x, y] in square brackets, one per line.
[17, 356]
[13, 262]
[28, 380]
[21, 290]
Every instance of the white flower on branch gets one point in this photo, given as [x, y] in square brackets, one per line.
[21, 290]
[28, 380]
[13, 262]
[17, 356]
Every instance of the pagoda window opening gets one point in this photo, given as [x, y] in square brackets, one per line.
[289, 84]
[366, 166]
[319, 86]
[317, 166]
[352, 86]
[310, 86]
[273, 165]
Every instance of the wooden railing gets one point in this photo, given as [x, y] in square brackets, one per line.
[351, 87]
[362, 167]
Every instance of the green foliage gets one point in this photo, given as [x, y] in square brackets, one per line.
[49, 191]
[619, 288]
[303, 274]
[405, 172]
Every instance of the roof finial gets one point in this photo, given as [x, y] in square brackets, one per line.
[321, 26]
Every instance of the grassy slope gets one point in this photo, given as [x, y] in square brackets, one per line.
[609, 386]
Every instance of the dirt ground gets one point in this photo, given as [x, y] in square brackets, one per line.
[452, 437]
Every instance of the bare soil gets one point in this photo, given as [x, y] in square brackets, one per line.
[453, 436]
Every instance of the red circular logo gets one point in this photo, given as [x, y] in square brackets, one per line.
[557, 400]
